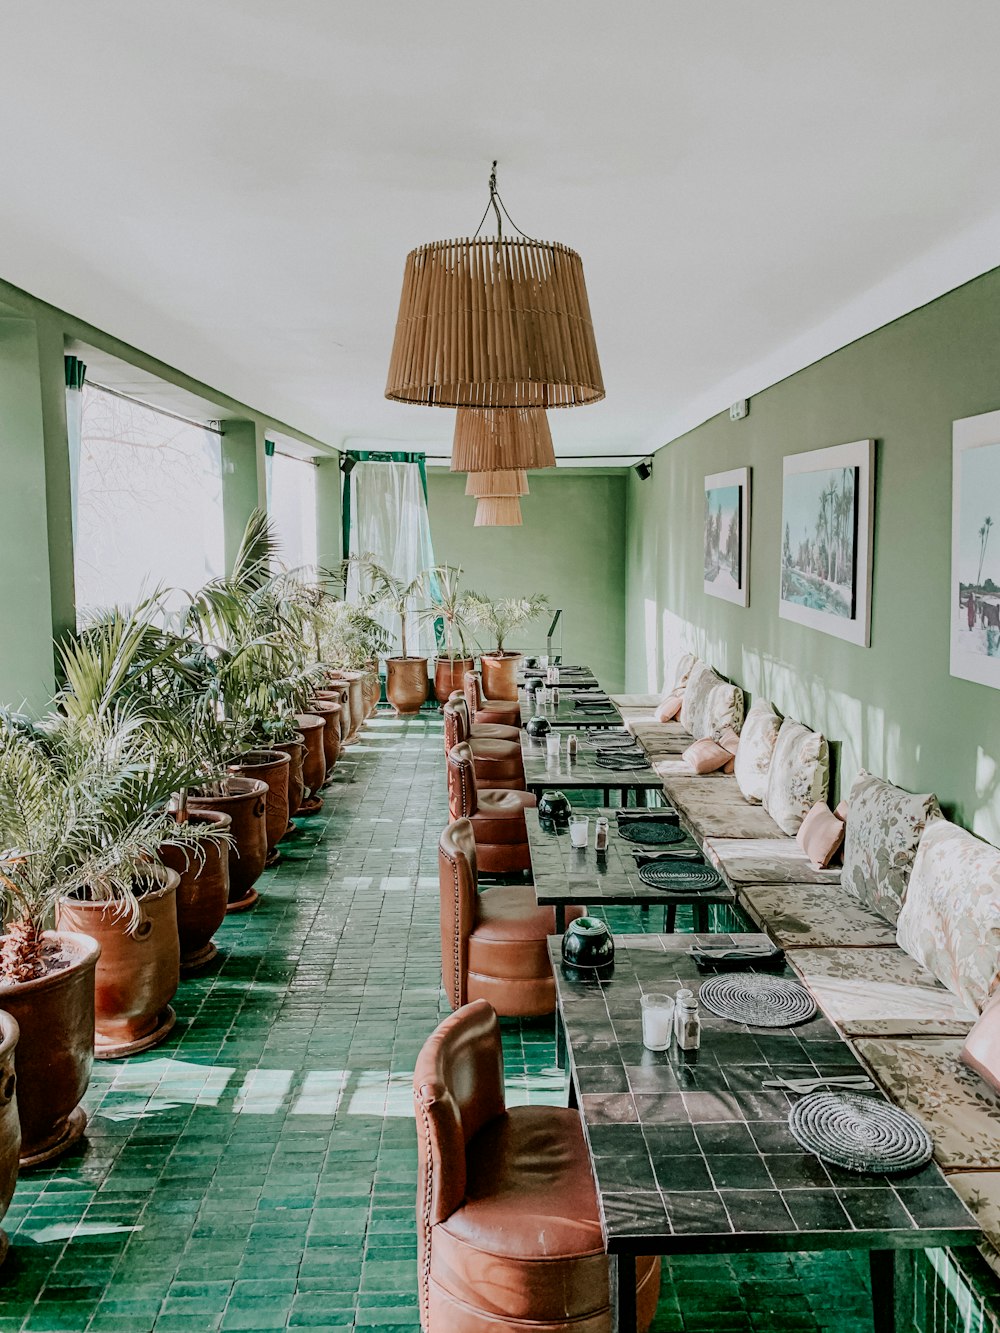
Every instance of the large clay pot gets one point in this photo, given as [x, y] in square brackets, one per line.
[314, 760]
[340, 692]
[500, 675]
[10, 1126]
[406, 684]
[270, 766]
[449, 675]
[245, 801]
[355, 681]
[371, 689]
[55, 1013]
[203, 891]
[330, 713]
[139, 969]
[296, 783]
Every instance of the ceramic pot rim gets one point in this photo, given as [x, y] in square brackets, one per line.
[250, 758]
[169, 883]
[252, 787]
[309, 721]
[84, 950]
[217, 817]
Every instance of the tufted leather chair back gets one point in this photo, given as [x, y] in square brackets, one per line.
[459, 889]
[473, 692]
[463, 802]
[455, 728]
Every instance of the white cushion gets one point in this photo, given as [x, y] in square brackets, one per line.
[696, 692]
[710, 704]
[950, 919]
[683, 673]
[753, 758]
[799, 775]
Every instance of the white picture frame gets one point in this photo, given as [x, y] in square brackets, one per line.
[727, 576]
[975, 550]
[824, 575]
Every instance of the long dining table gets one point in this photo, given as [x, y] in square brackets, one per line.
[691, 1154]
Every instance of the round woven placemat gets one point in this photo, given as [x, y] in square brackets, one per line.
[615, 743]
[651, 832]
[622, 762]
[604, 734]
[679, 876]
[757, 1000]
[859, 1133]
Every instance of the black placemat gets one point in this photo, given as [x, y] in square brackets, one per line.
[651, 833]
[859, 1133]
[679, 876]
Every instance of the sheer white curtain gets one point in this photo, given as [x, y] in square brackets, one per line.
[389, 521]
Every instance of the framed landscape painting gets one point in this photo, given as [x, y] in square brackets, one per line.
[827, 520]
[975, 549]
[727, 535]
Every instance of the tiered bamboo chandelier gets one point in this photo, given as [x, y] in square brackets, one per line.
[500, 328]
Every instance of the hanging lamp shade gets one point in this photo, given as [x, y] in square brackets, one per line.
[498, 511]
[513, 481]
[494, 322]
[496, 440]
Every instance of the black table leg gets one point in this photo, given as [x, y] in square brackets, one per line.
[701, 918]
[560, 1043]
[892, 1290]
[560, 918]
[623, 1293]
[640, 797]
[670, 918]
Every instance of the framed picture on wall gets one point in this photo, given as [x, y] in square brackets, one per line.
[975, 549]
[827, 524]
[727, 535]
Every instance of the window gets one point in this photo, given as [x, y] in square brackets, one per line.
[149, 503]
[291, 503]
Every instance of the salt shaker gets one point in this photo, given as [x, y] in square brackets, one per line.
[554, 692]
[687, 1021]
[571, 746]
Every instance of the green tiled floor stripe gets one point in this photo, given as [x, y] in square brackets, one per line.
[258, 1172]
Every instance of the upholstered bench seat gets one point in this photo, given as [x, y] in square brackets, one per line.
[960, 1111]
[880, 993]
[980, 1192]
[661, 740]
[778, 860]
[815, 916]
[713, 807]
[636, 700]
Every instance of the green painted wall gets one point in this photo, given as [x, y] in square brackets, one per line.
[571, 547]
[893, 708]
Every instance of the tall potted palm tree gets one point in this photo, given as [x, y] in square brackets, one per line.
[451, 606]
[406, 676]
[500, 617]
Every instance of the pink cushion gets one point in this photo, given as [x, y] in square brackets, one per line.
[821, 835]
[841, 811]
[706, 756]
[729, 740]
[981, 1051]
[669, 707]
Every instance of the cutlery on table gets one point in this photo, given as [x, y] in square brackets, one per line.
[855, 1082]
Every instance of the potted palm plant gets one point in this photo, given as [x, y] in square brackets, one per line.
[500, 617]
[451, 606]
[406, 677]
[350, 643]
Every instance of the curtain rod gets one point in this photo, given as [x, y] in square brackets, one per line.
[309, 462]
[212, 426]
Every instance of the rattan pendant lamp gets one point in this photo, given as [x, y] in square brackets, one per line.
[496, 439]
[494, 322]
[498, 511]
[513, 481]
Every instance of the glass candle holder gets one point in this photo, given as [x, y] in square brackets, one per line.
[553, 741]
[579, 830]
[657, 1021]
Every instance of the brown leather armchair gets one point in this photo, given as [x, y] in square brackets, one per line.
[487, 731]
[497, 816]
[492, 943]
[508, 1230]
[505, 711]
[498, 763]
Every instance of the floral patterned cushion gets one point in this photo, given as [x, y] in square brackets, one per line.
[682, 675]
[753, 759]
[980, 1192]
[884, 824]
[712, 807]
[696, 691]
[950, 920]
[774, 860]
[660, 739]
[926, 1077]
[880, 993]
[799, 775]
[810, 916]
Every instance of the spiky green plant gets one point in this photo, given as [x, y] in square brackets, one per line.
[453, 606]
[84, 809]
[501, 616]
[390, 592]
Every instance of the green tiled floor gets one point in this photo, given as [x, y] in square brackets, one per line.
[258, 1170]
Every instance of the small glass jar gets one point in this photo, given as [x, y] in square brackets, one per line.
[687, 1021]
[601, 834]
[571, 746]
[657, 1021]
[579, 831]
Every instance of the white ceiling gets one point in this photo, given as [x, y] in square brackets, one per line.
[232, 185]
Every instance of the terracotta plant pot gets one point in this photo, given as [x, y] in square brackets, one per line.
[296, 783]
[139, 970]
[203, 892]
[500, 675]
[55, 1055]
[270, 766]
[10, 1126]
[449, 675]
[245, 801]
[330, 713]
[355, 681]
[314, 761]
[339, 692]
[371, 690]
[406, 684]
